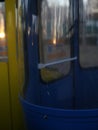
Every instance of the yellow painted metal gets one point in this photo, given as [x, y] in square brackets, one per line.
[5, 109]
[20, 43]
[13, 73]
[11, 76]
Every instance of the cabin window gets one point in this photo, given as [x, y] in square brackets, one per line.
[54, 37]
[88, 33]
[3, 42]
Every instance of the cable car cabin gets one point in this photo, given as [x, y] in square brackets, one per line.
[62, 46]
[11, 65]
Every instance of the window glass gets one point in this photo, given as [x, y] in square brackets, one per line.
[3, 43]
[55, 21]
[88, 12]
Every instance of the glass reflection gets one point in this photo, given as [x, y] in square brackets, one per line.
[3, 43]
[58, 2]
[88, 33]
[54, 19]
[2, 21]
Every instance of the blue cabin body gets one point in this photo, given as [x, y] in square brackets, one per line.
[69, 103]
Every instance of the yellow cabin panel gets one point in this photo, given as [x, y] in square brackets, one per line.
[5, 110]
[20, 43]
[15, 86]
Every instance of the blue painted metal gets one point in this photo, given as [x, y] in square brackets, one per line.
[37, 91]
[56, 105]
[45, 118]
